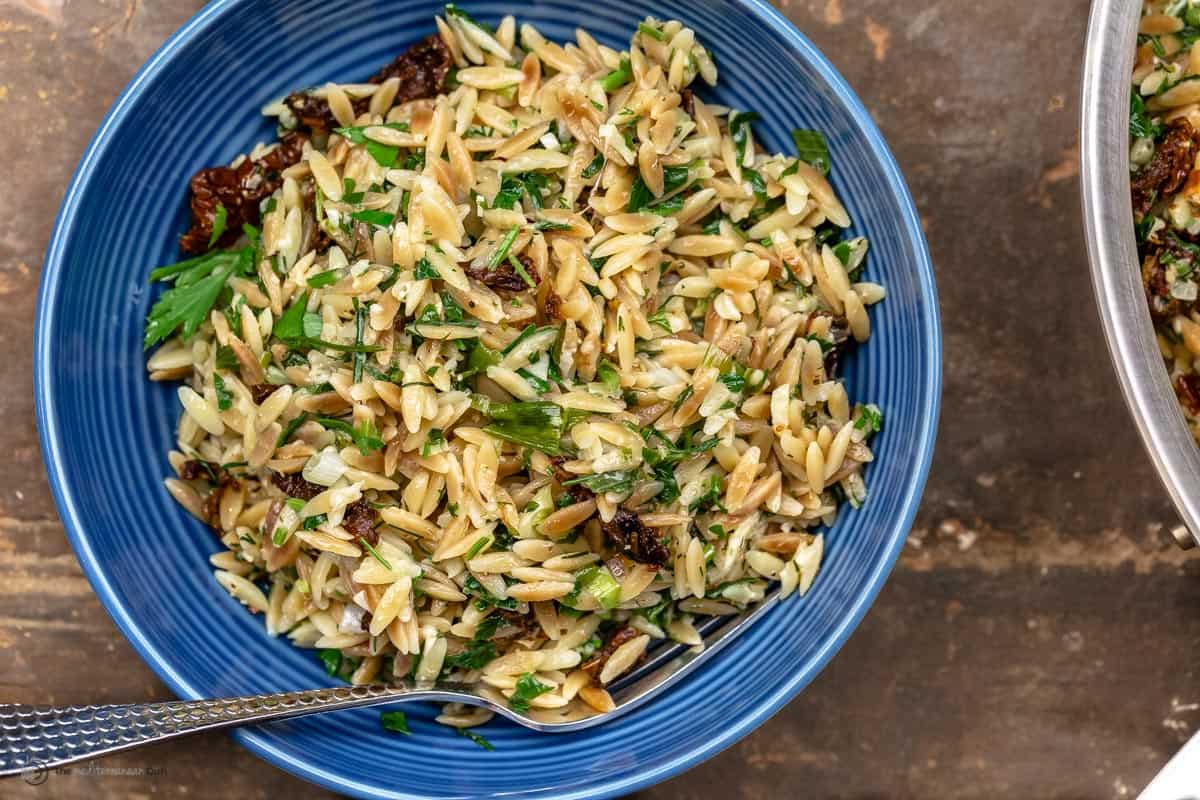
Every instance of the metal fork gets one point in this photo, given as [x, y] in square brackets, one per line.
[36, 739]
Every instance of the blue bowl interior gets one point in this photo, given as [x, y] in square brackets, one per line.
[106, 429]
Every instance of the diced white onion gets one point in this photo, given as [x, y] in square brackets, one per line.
[1183, 290]
[324, 468]
[352, 617]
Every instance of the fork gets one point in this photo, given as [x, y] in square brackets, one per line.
[36, 739]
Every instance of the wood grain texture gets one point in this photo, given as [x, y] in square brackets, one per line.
[1038, 637]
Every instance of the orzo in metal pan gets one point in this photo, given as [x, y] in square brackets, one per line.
[1164, 130]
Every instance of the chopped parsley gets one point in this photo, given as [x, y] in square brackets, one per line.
[476, 738]
[374, 553]
[219, 221]
[606, 371]
[505, 245]
[618, 77]
[196, 285]
[426, 271]
[740, 131]
[593, 168]
[364, 435]
[710, 496]
[434, 439]
[870, 419]
[395, 721]
[485, 599]
[660, 319]
[226, 358]
[293, 424]
[812, 149]
[385, 155]
[1141, 124]
[381, 219]
[224, 396]
[297, 328]
[647, 29]
[528, 687]
[640, 196]
[619, 481]
[332, 659]
[321, 279]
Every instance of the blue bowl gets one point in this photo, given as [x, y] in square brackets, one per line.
[106, 430]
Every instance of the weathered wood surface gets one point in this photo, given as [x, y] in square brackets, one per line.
[1039, 635]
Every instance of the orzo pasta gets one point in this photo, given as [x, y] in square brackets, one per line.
[519, 357]
[1164, 130]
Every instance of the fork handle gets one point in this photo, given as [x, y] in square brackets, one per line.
[36, 739]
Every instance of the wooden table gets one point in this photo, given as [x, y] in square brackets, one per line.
[1038, 636]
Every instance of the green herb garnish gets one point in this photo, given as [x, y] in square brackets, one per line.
[505, 245]
[485, 599]
[426, 271]
[740, 131]
[293, 424]
[327, 278]
[710, 496]
[219, 222]
[1141, 124]
[224, 396]
[619, 481]
[197, 283]
[651, 31]
[435, 438]
[476, 738]
[332, 659]
[618, 77]
[395, 721]
[364, 435]
[607, 372]
[381, 219]
[869, 420]
[528, 687]
[812, 148]
[374, 553]
[593, 168]
[537, 424]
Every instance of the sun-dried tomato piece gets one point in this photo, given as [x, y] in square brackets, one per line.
[313, 113]
[359, 521]
[552, 307]
[687, 101]
[212, 503]
[594, 665]
[294, 485]
[422, 70]
[239, 190]
[261, 391]
[504, 277]
[1169, 168]
[635, 540]
[1187, 387]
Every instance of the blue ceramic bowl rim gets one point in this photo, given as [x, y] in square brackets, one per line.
[48, 428]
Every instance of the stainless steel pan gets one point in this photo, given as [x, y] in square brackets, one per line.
[1107, 218]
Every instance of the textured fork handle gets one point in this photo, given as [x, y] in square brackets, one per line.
[34, 739]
